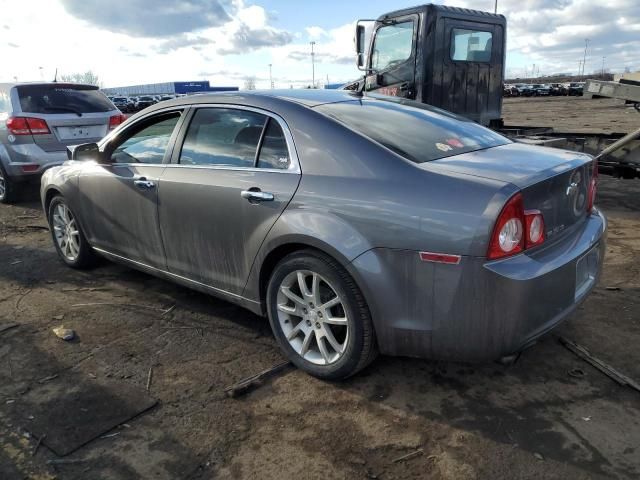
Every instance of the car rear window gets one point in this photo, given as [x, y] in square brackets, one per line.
[418, 132]
[47, 99]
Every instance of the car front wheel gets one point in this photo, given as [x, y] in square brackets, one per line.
[319, 316]
[68, 238]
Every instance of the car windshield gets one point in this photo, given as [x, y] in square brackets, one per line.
[62, 98]
[418, 132]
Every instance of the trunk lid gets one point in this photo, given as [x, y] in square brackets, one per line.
[555, 182]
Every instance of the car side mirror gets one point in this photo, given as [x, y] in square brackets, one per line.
[84, 152]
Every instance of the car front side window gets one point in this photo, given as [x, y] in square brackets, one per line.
[148, 142]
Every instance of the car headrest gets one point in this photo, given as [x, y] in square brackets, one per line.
[248, 136]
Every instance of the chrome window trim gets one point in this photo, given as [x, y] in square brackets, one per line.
[294, 166]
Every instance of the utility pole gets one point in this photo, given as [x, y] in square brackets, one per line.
[313, 66]
[495, 8]
[579, 66]
[584, 59]
[270, 77]
[603, 66]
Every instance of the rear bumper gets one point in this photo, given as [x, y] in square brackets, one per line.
[29, 156]
[478, 310]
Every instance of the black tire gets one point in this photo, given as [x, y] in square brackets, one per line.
[360, 349]
[8, 193]
[86, 257]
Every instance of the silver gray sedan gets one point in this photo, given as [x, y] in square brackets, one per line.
[356, 224]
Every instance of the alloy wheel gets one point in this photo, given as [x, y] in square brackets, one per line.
[66, 232]
[312, 317]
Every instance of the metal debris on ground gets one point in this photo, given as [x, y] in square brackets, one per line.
[408, 456]
[110, 435]
[65, 334]
[16, 262]
[129, 305]
[243, 386]
[35, 227]
[35, 449]
[605, 368]
[149, 378]
[538, 456]
[46, 379]
[577, 373]
[65, 461]
[614, 289]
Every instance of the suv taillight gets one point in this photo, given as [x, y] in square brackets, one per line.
[116, 120]
[27, 126]
[515, 230]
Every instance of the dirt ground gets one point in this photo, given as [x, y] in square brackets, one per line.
[530, 420]
[571, 114]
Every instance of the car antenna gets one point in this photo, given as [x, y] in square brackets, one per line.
[55, 77]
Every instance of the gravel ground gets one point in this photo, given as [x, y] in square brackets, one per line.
[528, 420]
[571, 114]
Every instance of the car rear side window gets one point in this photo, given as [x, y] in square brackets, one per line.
[223, 136]
[471, 45]
[147, 143]
[62, 98]
[273, 151]
[418, 132]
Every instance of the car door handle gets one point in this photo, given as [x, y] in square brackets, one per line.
[257, 196]
[144, 184]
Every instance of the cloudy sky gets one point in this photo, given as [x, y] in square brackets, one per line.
[225, 41]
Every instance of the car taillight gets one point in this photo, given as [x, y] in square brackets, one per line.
[508, 233]
[27, 126]
[116, 120]
[534, 228]
[515, 230]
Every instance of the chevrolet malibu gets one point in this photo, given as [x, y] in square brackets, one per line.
[356, 224]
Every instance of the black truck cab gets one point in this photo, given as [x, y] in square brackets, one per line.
[448, 57]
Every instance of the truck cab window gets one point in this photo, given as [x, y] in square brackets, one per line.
[470, 45]
[393, 45]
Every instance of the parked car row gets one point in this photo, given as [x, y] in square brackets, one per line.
[132, 104]
[543, 89]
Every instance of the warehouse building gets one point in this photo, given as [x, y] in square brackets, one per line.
[167, 88]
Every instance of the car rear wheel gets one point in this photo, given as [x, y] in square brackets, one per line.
[7, 187]
[68, 238]
[319, 316]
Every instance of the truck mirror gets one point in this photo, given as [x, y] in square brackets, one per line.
[361, 42]
[360, 45]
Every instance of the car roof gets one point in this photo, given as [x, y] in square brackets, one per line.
[306, 97]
